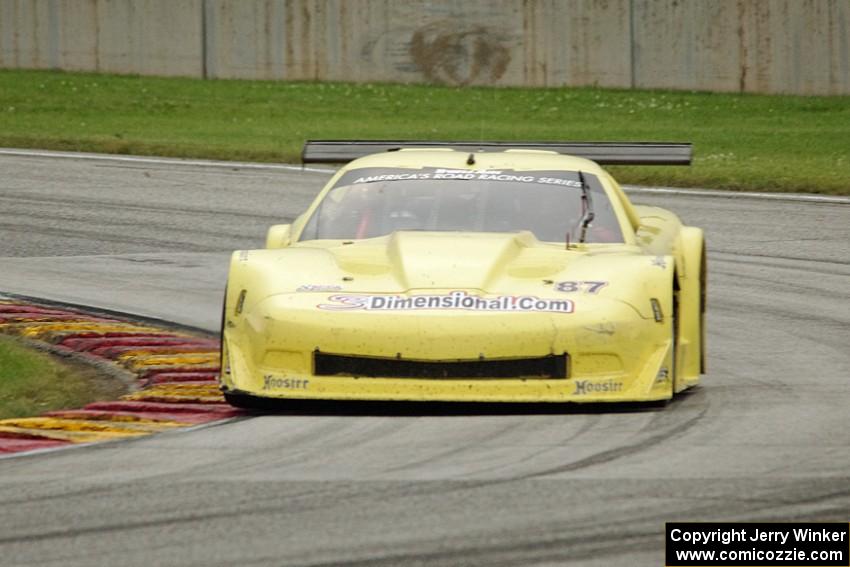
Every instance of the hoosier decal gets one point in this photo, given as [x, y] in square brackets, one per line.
[587, 387]
[456, 300]
[271, 382]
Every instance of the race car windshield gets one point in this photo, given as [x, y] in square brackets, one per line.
[372, 202]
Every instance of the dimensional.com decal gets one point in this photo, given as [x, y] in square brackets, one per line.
[455, 300]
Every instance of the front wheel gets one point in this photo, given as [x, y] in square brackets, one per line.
[245, 401]
[674, 332]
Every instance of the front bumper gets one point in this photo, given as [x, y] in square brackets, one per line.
[615, 355]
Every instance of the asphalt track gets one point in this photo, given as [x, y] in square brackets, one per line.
[767, 436]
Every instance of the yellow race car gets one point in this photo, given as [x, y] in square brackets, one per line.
[453, 271]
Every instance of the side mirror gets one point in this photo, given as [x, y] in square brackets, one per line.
[279, 236]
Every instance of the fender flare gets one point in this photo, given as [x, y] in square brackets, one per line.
[691, 278]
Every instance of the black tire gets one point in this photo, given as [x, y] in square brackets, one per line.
[222, 362]
[244, 401]
[674, 324]
[703, 291]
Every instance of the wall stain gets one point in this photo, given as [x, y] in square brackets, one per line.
[450, 53]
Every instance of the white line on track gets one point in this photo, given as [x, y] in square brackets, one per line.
[328, 171]
[738, 194]
[161, 160]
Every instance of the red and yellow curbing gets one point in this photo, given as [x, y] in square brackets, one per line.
[175, 372]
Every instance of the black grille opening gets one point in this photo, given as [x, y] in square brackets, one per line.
[545, 367]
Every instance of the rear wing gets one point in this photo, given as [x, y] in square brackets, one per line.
[603, 153]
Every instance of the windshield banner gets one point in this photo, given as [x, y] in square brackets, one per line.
[384, 174]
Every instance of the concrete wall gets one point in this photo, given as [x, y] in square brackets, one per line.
[779, 46]
[155, 37]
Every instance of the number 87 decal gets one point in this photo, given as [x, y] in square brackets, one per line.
[583, 287]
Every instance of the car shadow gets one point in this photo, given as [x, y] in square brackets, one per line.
[443, 409]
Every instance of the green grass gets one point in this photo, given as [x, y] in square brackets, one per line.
[32, 383]
[743, 142]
